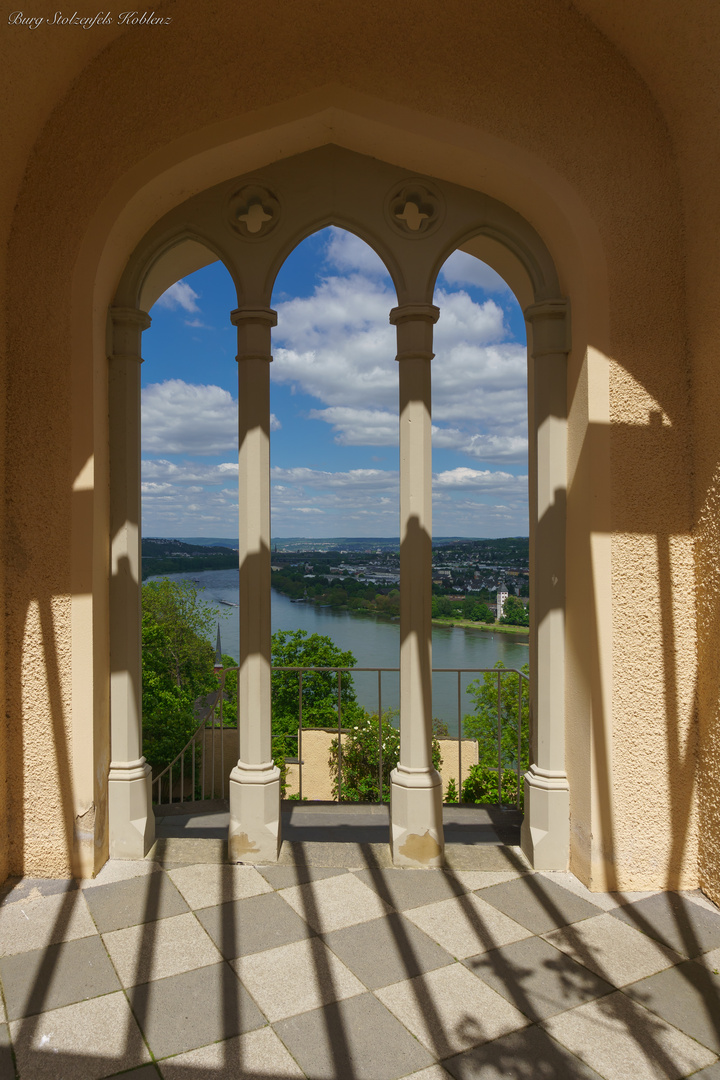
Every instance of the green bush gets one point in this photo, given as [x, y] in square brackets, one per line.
[481, 786]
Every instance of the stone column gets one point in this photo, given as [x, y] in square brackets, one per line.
[416, 830]
[254, 834]
[131, 822]
[546, 826]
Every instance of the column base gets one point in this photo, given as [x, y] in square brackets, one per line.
[545, 833]
[131, 821]
[254, 835]
[416, 825]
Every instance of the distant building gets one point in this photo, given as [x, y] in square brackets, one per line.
[502, 595]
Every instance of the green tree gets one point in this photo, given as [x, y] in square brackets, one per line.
[177, 666]
[482, 724]
[515, 613]
[296, 648]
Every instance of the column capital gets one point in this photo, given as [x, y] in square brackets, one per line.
[550, 321]
[127, 327]
[130, 317]
[412, 312]
[253, 315]
[253, 331]
[414, 324]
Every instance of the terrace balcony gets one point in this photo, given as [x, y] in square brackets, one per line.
[334, 964]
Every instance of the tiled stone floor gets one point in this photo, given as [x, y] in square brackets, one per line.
[183, 968]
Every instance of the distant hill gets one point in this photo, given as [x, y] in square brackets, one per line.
[339, 543]
[167, 555]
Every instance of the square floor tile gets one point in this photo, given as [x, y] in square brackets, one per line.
[471, 880]
[296, 978]
[34, 924]
[204, 886]
[387, 950]
[59, 975]
[409, 888]
[449, 1010]
[15, 889]
[248, 926]
[145, 1072]
[467, 925]
[85, 1041]
[687, 996]
[156, 950]
[7, 1069]
[357, 1037]
[434, 1072]
[604, 900]
[259, 1053]
[137, 900]
[120, 870]
[538, 904]
[536, 978]
[190, 1010]
[711, 1073]
[680, 924]
[335, 902]
[697, 896]
[284, 877]
[612, 950]
[529, 1054]
[620, 1039]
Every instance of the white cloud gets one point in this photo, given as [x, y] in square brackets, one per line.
[374, 479]
[347, 252]
[188, 472]
[184, 418]
[181, 418]
[463, 269]
[360, 427]
[180, 295]
[188, 497]
[481, 480]
[337, 346]
[508, 448]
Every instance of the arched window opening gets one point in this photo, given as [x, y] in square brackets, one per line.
[480, 527]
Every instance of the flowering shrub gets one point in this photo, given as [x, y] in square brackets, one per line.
[361, 763]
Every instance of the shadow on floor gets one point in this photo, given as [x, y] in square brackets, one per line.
[345, 823]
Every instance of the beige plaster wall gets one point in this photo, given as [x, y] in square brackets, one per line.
[570, 136]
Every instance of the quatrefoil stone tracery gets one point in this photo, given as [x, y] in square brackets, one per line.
[253, 211]
[414, 208]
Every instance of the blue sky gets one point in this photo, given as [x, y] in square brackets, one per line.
[334, 443]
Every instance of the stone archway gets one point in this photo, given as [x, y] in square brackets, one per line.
[413, 223]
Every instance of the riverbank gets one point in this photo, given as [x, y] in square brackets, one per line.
[493, 628]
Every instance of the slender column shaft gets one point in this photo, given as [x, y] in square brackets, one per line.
[254, 784]
[416, 831]
[131, 821]
[546, 829]
[415, 562]
[254, 557]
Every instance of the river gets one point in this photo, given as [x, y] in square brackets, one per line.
[374, 642]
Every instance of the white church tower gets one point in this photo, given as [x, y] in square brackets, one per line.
[502, 595]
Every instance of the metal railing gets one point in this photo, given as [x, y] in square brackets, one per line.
[198, 772]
